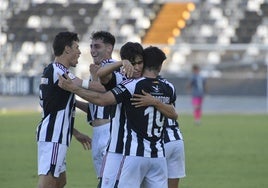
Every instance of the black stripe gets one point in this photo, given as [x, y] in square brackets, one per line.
[50, 127]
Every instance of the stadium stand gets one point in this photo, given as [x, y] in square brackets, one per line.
[225, 37]
[38, 23]
[220, 36]
[167, 24]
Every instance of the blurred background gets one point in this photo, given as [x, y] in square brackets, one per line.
[228, 39]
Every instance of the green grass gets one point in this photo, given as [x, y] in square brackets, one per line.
[224, 151]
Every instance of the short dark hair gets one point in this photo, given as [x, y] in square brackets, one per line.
[153, 57]
[63, 39]
[105, 36]
[195, 67]
[130, 50]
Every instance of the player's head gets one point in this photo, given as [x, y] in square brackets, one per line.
[153, 58]
[62, 40]
[133, 52]
[102, 45]
[66, 45]
[195, 68]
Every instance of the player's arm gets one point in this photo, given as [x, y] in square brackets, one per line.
[82, 105]
[100, 99]
[83, 139]
[93, 85]
[148, 100]
[105, 72]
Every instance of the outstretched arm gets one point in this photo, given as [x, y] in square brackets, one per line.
[100, 99]
[94, 84]
[148, 100]
[105, 73]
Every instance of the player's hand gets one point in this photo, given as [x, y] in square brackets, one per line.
[84, 140]
[127, 68]
[93, 68]
[66, 83]
[142, 100]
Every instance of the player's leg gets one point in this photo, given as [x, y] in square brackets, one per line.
[133, 171]
[156, 176]
[173, 183]
[100, 138]
[48, 180]
[175, 162]
[199, 110]
[112, 164]
[61, 181]
[51, 164]
[196, 108]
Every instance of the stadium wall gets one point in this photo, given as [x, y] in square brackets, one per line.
[19, 85]
[226, 86]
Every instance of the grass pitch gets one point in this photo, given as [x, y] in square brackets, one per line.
[224, 151]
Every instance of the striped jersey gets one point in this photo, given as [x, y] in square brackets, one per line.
[171, 131]
[144, 125]
[58, 107]
[116, 143]
[100, 112]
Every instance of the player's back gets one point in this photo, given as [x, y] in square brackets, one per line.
[145, 124]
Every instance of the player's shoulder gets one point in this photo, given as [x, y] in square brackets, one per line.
[162, 79]
[165, 81]
[129, 81]
[48, 69]
[49, 66]
[58, 67]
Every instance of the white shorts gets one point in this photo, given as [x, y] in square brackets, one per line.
[100, 139]
[146, 171]
[175, 159]
[112, 163]
[51, 158]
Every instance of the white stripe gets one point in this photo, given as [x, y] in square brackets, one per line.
[57, 126]
[43, 130]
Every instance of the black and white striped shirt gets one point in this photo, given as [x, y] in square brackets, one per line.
[144, 127]
[58, 107]
[172, 131]
[100, 112]
[116, 142]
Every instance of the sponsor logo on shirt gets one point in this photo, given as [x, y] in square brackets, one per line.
[156, 89]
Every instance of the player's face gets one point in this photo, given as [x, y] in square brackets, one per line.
[74, 53]
[100, 51]
[138, 66]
